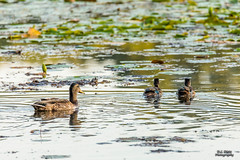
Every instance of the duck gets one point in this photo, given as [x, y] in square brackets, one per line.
[56, 104]
[153, 92]
[186, 93]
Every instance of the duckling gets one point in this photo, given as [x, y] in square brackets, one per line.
[55, 104]
[153, 92]
[186, 93]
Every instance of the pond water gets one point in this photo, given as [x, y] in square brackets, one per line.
[114, 121]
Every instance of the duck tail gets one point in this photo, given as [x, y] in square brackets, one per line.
[38, 107]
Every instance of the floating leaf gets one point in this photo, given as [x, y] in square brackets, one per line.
[78, 33]
[235, 31]
[204, 37]
[63, 28]
[231, 40]
[192, 3]
[157, 61]
[51, 31]
[160, 32]
[202, 56]
[33, 33]
[15, 37]
[183, 35]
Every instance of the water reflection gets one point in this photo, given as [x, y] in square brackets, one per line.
[74, 122]
[48, 115]
[184, 100]
[128, 115]
[155, 101]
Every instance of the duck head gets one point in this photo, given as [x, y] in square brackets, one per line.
[73, 90]
[187, 82]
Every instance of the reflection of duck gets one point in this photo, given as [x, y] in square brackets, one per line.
[55, 104]
[74, 120]
[48, 115]
[186, 93]
[153, 92]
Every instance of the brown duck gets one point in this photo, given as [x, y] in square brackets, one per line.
[153, 92]
[186, 93]
[55, 104]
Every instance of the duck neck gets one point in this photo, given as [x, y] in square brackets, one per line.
[187, 82]
[73, 97]
[156, 83]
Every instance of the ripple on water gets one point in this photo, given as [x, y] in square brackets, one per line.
[128, 116]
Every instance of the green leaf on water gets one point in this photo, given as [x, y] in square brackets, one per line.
[234, 31]
[160, 32]
[183, 35]
[192, 3]
[231, 40]
[63, 28]
[51, 31]
[44, 68]
[238, 49]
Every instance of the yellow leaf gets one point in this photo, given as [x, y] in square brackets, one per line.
[24, 35]
[33, 33]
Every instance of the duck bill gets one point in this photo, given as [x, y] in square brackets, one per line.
[80, 91]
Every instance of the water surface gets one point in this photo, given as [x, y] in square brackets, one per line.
[114, 121]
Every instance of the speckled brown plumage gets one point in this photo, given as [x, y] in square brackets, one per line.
[186, 93]
[55, 104]
[153, 92]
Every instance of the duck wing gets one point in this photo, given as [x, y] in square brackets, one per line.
[150, 89]
[186, 93]
[53, 104]
[49, 99]
[152, 92]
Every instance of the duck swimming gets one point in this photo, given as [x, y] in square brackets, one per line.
[153, 92]
[56, 104]
[186, 93]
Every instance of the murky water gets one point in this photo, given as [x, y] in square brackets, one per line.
[114, 121]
